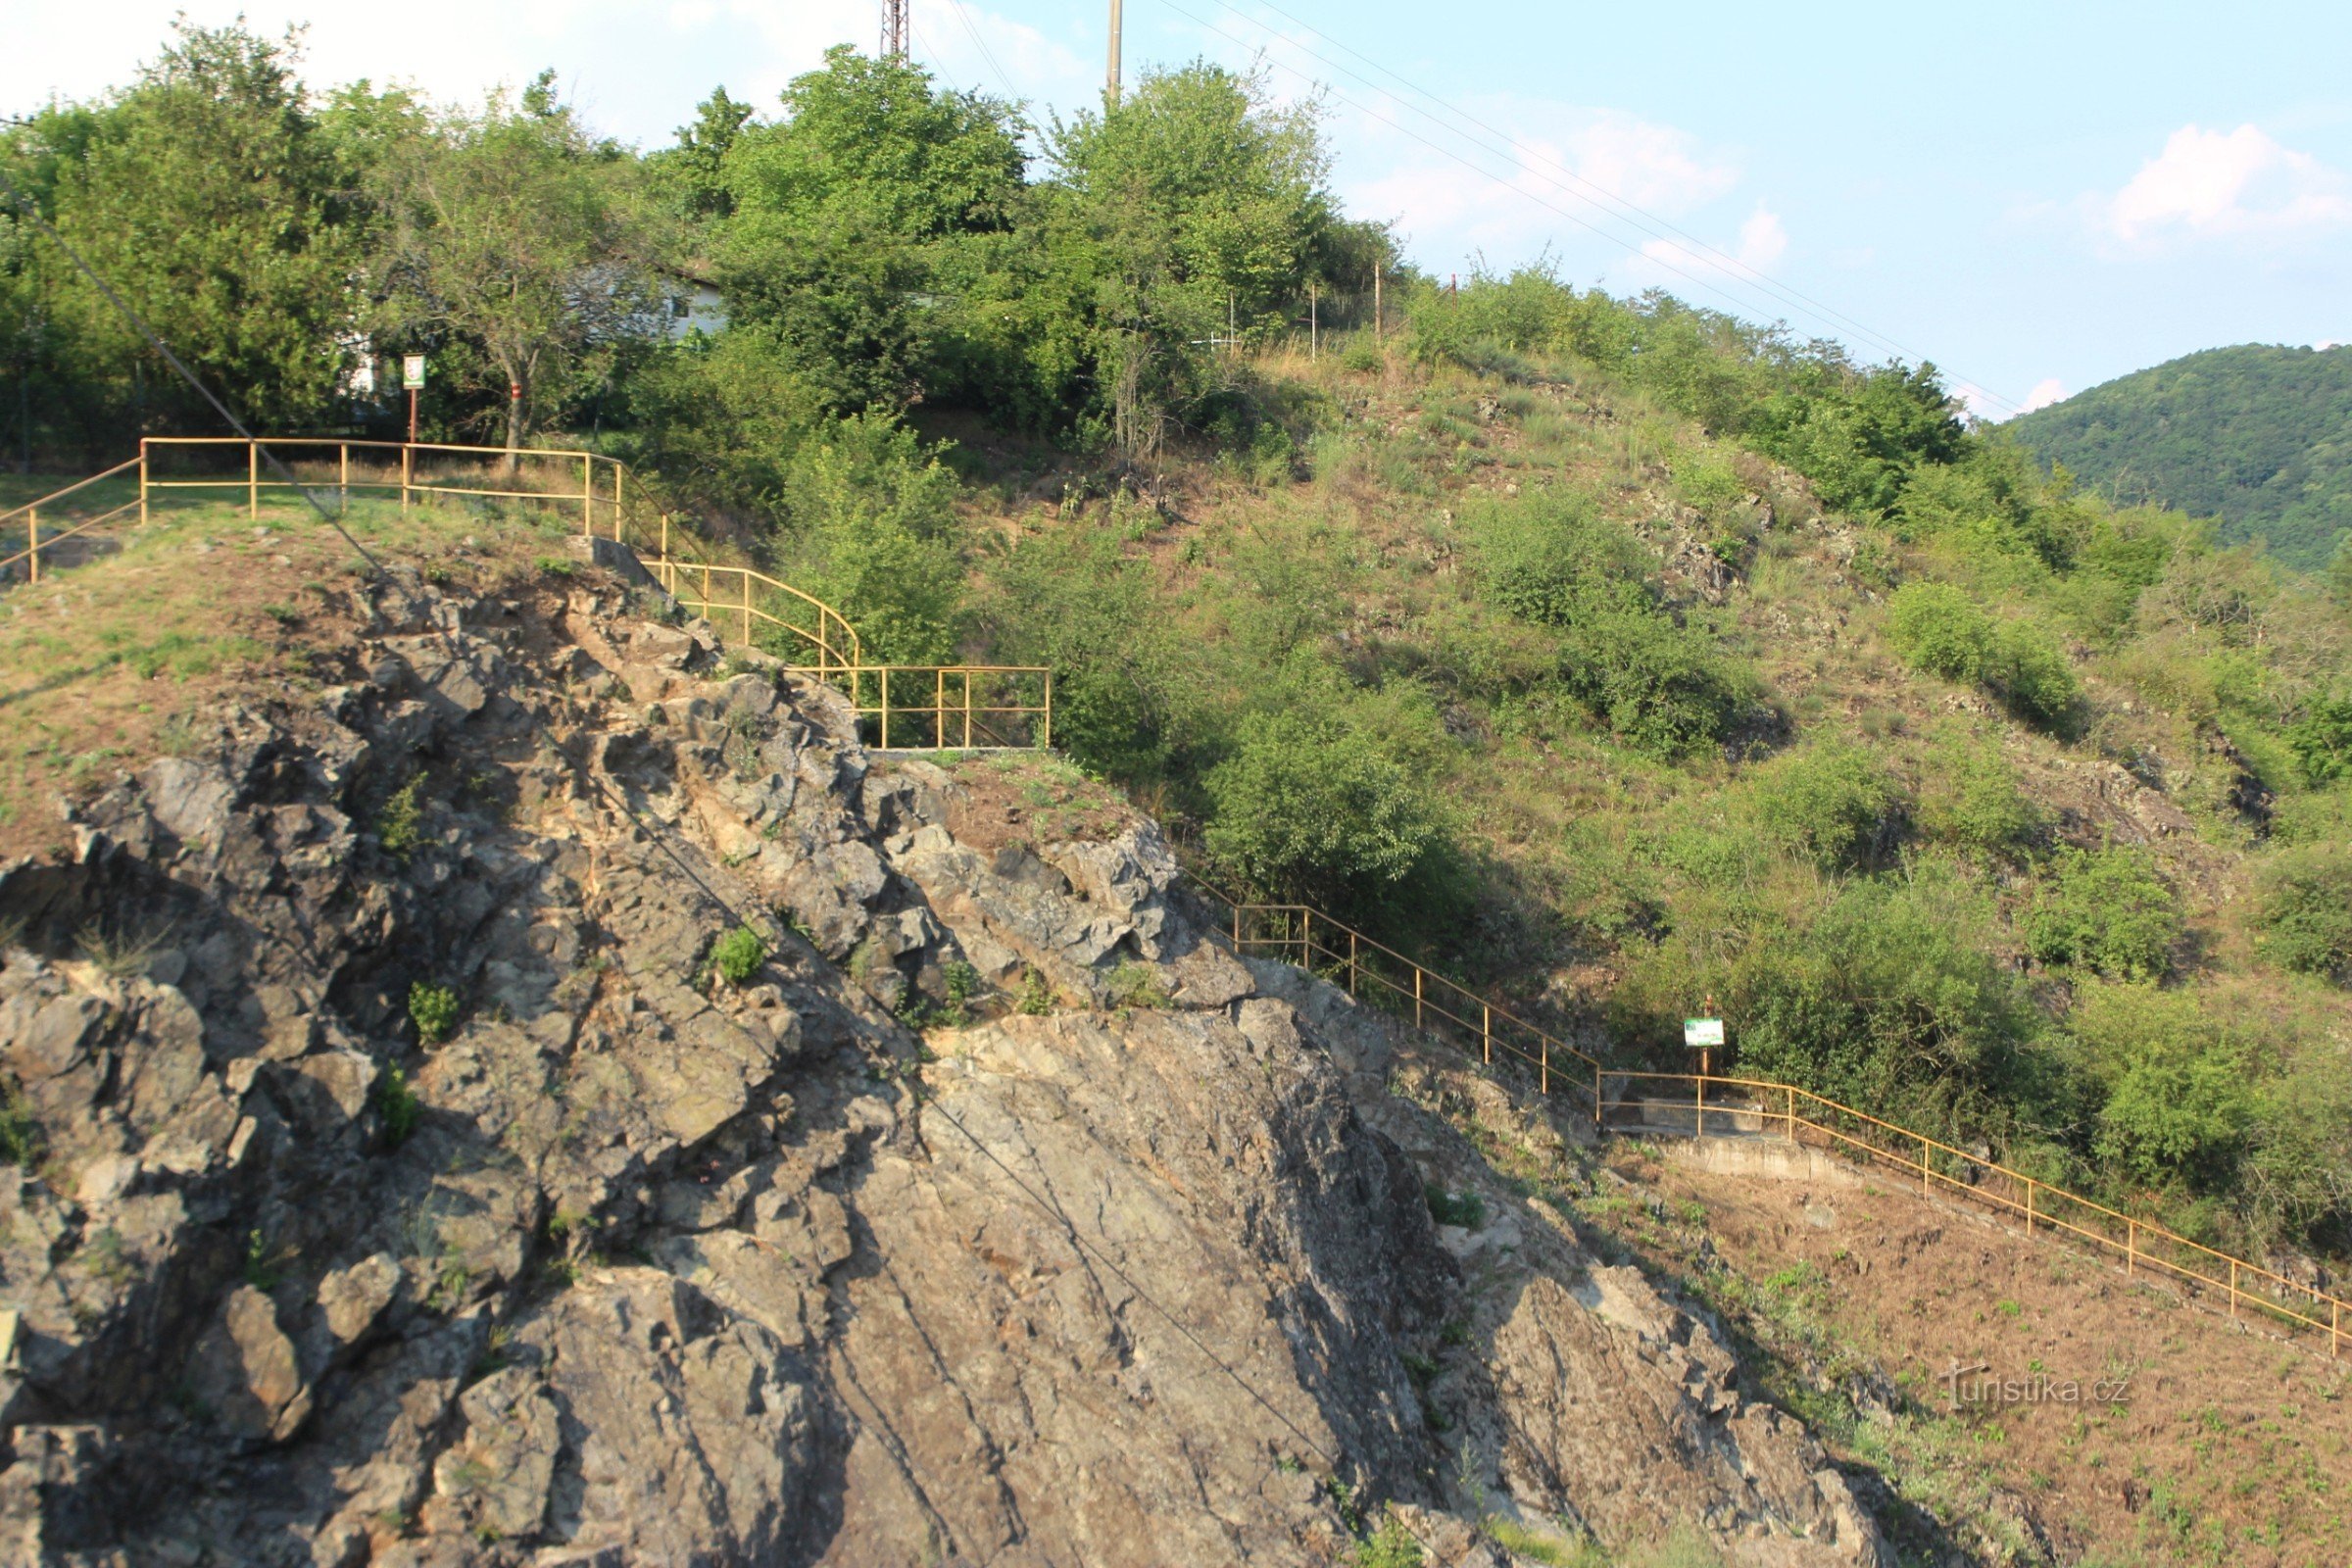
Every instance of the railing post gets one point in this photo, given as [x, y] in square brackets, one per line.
[747, 610]
[1598, 1122]
[705, 588]
[1543, 1064]
[968, 711]
[408, 470]
[886, 708]
[1789, 1092]
[587, 494]
[1049, 742]
[939, 705]
[1351, 964]
[1418, 972]
[343, 476]
[1702, 1104]
[620, 483]
[2234, 1287]
[1927, 1183]
[142, 481]
[2130, 1246]
[1306, 940]
[253, 480]
[1486, 1032]
[32, 539]
[1237, 930]
[2028, 1206]
[2335, 1328]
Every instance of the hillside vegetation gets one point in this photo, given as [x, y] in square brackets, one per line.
[2257, 435]
[1614, 652]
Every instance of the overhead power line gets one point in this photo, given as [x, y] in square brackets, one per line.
[1615, 208]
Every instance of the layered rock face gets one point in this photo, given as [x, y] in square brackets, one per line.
[1123, 1258]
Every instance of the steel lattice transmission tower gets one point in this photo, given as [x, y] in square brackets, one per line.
[894, 29]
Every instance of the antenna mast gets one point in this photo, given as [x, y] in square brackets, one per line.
[894, 29]
[1112, 76]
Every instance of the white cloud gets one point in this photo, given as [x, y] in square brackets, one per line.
[2047, 391]
[1542, 186]
[1763, 240]
[2214, 182]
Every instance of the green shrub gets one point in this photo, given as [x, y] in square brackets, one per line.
[2305, 918]
[1391, 1545]
[2032, 676]
[1827, 804]
[1465, 1210]
[1939, 629]
[737, 956]
[434, 1010]
[2179, 1107]
[1972, 799]
[398, 1105]
[1311, 808]
[2322, 739]
[2107, 911]
[1135, 985]
[1036, 996]
[20, 1132]
[1364, 357]
[400, 825]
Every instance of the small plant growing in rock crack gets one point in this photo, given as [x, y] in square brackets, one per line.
[107, 1259]
[434, 1010]
[265, 1265]
[963, 984]
[1036, 999]
[1135, 985]
[398, 1105]
[20, 1133]
[1465, 1210]
[450, 1283]
[557, 567]
[1391, 1545]
[736, 957]
[118, 951]
[400, 825]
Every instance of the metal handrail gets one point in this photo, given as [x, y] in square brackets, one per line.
[60, 495]
[2245, 1284]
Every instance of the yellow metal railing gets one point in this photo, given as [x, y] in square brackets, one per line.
[1299, 935]
[968, 706]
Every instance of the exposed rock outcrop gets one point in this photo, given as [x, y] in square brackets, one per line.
[642, 1266]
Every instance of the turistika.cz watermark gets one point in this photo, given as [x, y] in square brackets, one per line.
[1975, 1386]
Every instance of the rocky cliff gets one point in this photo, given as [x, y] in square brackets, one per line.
[406, 1173]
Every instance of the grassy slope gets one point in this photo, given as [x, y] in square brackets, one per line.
[125, 657]
[2259, 435]
[1584, 839]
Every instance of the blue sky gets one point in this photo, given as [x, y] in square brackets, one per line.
[2036, 197]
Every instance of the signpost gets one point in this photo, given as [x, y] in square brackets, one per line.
[411, 376]
[1704, 1036]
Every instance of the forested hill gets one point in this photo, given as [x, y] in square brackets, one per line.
[2258, 435]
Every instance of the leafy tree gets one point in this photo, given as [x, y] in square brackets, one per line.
[2106, 910]
[696, 169]
[514, 232]
[207, 197]
[2321, 740]
[871, 532]
[846, 210]
[1191, 203]
[1971, 797]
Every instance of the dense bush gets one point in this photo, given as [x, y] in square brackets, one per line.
[1830, 805]
[2178, 1106]
[1971, 798]
[1939, 629]
[1653, 680]
[2106, 910]
[2321, 740]
[1308, 808]
[2305, 920]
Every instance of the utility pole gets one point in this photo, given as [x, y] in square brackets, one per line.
[894, 29]
[1113, 86]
